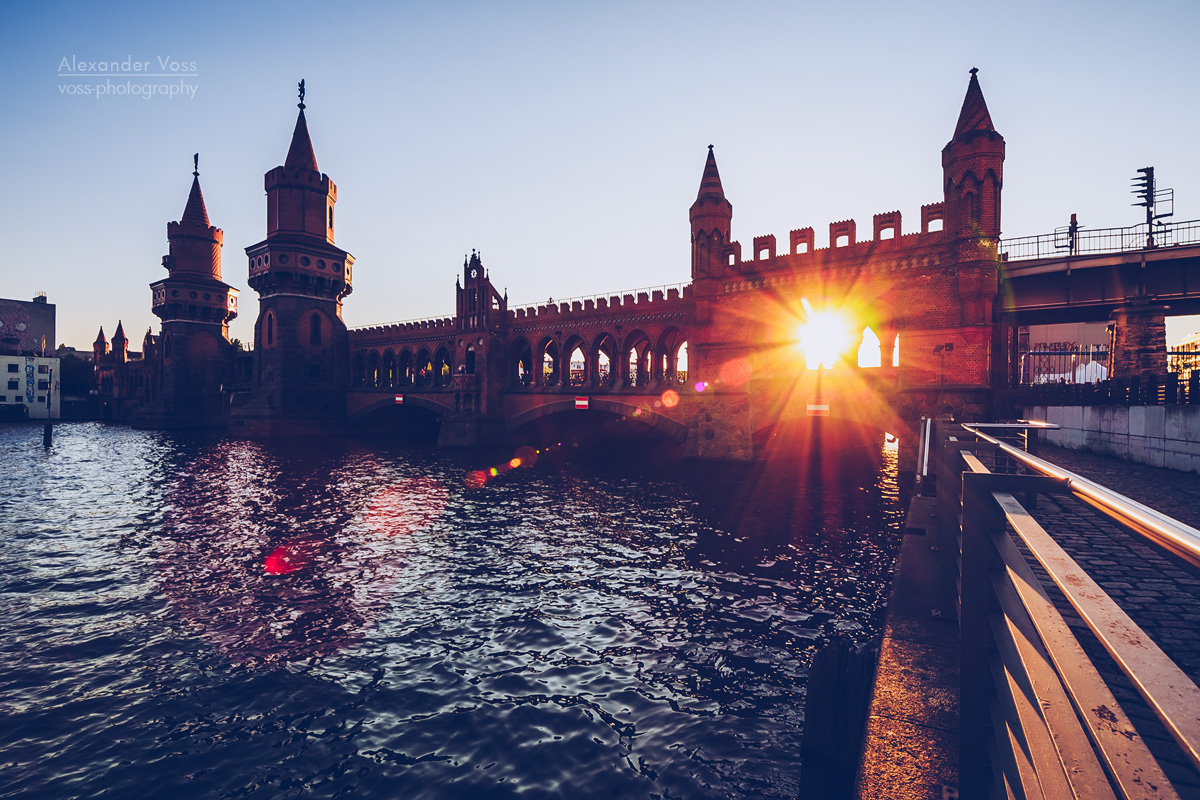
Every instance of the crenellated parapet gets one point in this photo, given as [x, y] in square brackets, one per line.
[639, 302]
[887, 237]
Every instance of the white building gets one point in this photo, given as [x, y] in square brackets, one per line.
[27, 380]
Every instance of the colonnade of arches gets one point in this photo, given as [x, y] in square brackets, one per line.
[603, 362]
[408, 369]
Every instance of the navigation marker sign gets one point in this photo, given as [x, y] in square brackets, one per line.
[581, 404]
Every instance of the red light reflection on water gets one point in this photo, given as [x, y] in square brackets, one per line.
[281, 561]
[406, 506]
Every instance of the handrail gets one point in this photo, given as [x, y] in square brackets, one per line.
[1182, 540]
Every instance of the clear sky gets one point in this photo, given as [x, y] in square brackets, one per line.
[563, 140]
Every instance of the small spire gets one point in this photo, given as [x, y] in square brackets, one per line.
[120, 333]
[194, 213]
[710, 181]
[300, 153]
[974, 115]
[100, 337]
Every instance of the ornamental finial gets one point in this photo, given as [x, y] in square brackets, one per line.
[196, 165]
[301, 103]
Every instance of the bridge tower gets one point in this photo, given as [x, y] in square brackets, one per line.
[480, 368]
[711, 217]
[301, 352]
[973, 174]
[194, 358]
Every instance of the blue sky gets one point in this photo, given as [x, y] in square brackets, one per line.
[565, 141]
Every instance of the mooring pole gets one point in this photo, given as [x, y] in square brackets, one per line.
[48, 430]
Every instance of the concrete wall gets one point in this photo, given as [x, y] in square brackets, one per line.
[1161, 436]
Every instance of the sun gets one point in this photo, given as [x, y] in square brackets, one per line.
[823, 338]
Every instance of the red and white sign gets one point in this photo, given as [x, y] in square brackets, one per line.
[818, 408]
[399, 399]
[581, 403]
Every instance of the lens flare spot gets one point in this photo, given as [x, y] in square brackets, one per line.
[670, 398]
[527, 455]
[514, 463]
[280, 562]
[476, 479]
[736, 371]
[701, 386]
[493, 472]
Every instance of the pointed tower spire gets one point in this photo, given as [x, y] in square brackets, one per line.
[120, 334]
[300, 154]
[194, 213]
[100, 339]
[710, 181]
[711, 217]
[973, 170]
[974, 115]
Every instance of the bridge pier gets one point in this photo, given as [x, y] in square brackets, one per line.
[1139, 340]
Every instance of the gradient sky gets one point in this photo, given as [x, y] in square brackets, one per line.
[563, 140]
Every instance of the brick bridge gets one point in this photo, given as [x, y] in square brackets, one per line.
[714, 363]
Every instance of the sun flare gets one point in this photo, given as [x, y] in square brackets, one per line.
[823, 338]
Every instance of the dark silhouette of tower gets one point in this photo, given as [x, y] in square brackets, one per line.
[301, 348]
[191, 363]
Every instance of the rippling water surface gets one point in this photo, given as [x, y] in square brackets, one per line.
[219, 618]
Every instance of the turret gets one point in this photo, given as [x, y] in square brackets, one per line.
[120, 345]
[972, 169]
[711, 217]
[100, 346]
[192, 290]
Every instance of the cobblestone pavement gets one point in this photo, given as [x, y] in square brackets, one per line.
[1169, 491]
[1159, 591]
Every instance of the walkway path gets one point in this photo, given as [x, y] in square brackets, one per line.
[1159, 591]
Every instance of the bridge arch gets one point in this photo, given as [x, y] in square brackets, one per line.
[635, 359]
[666, 358]
[377, 404]
[520, 362]
[612, 405]
[605, 369]
[387, 369]
[576, 378]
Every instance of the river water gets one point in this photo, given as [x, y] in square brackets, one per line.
[207, 617]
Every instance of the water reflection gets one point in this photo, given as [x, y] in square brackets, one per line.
[264, 620]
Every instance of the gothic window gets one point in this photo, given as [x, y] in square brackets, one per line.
[270, 330]
[314, 329]
[470, 361]
[331, 218]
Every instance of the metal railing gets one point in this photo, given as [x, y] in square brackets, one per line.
[1037, 718]
[1150, 390]
[1063, 243]
[1075, 365]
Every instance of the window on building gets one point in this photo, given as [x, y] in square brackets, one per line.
[41, 398]
[43, 385]
[314, 329]
[43, 369]
[13, 368]
[13, 383]
[3, 398]
[270, 329]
